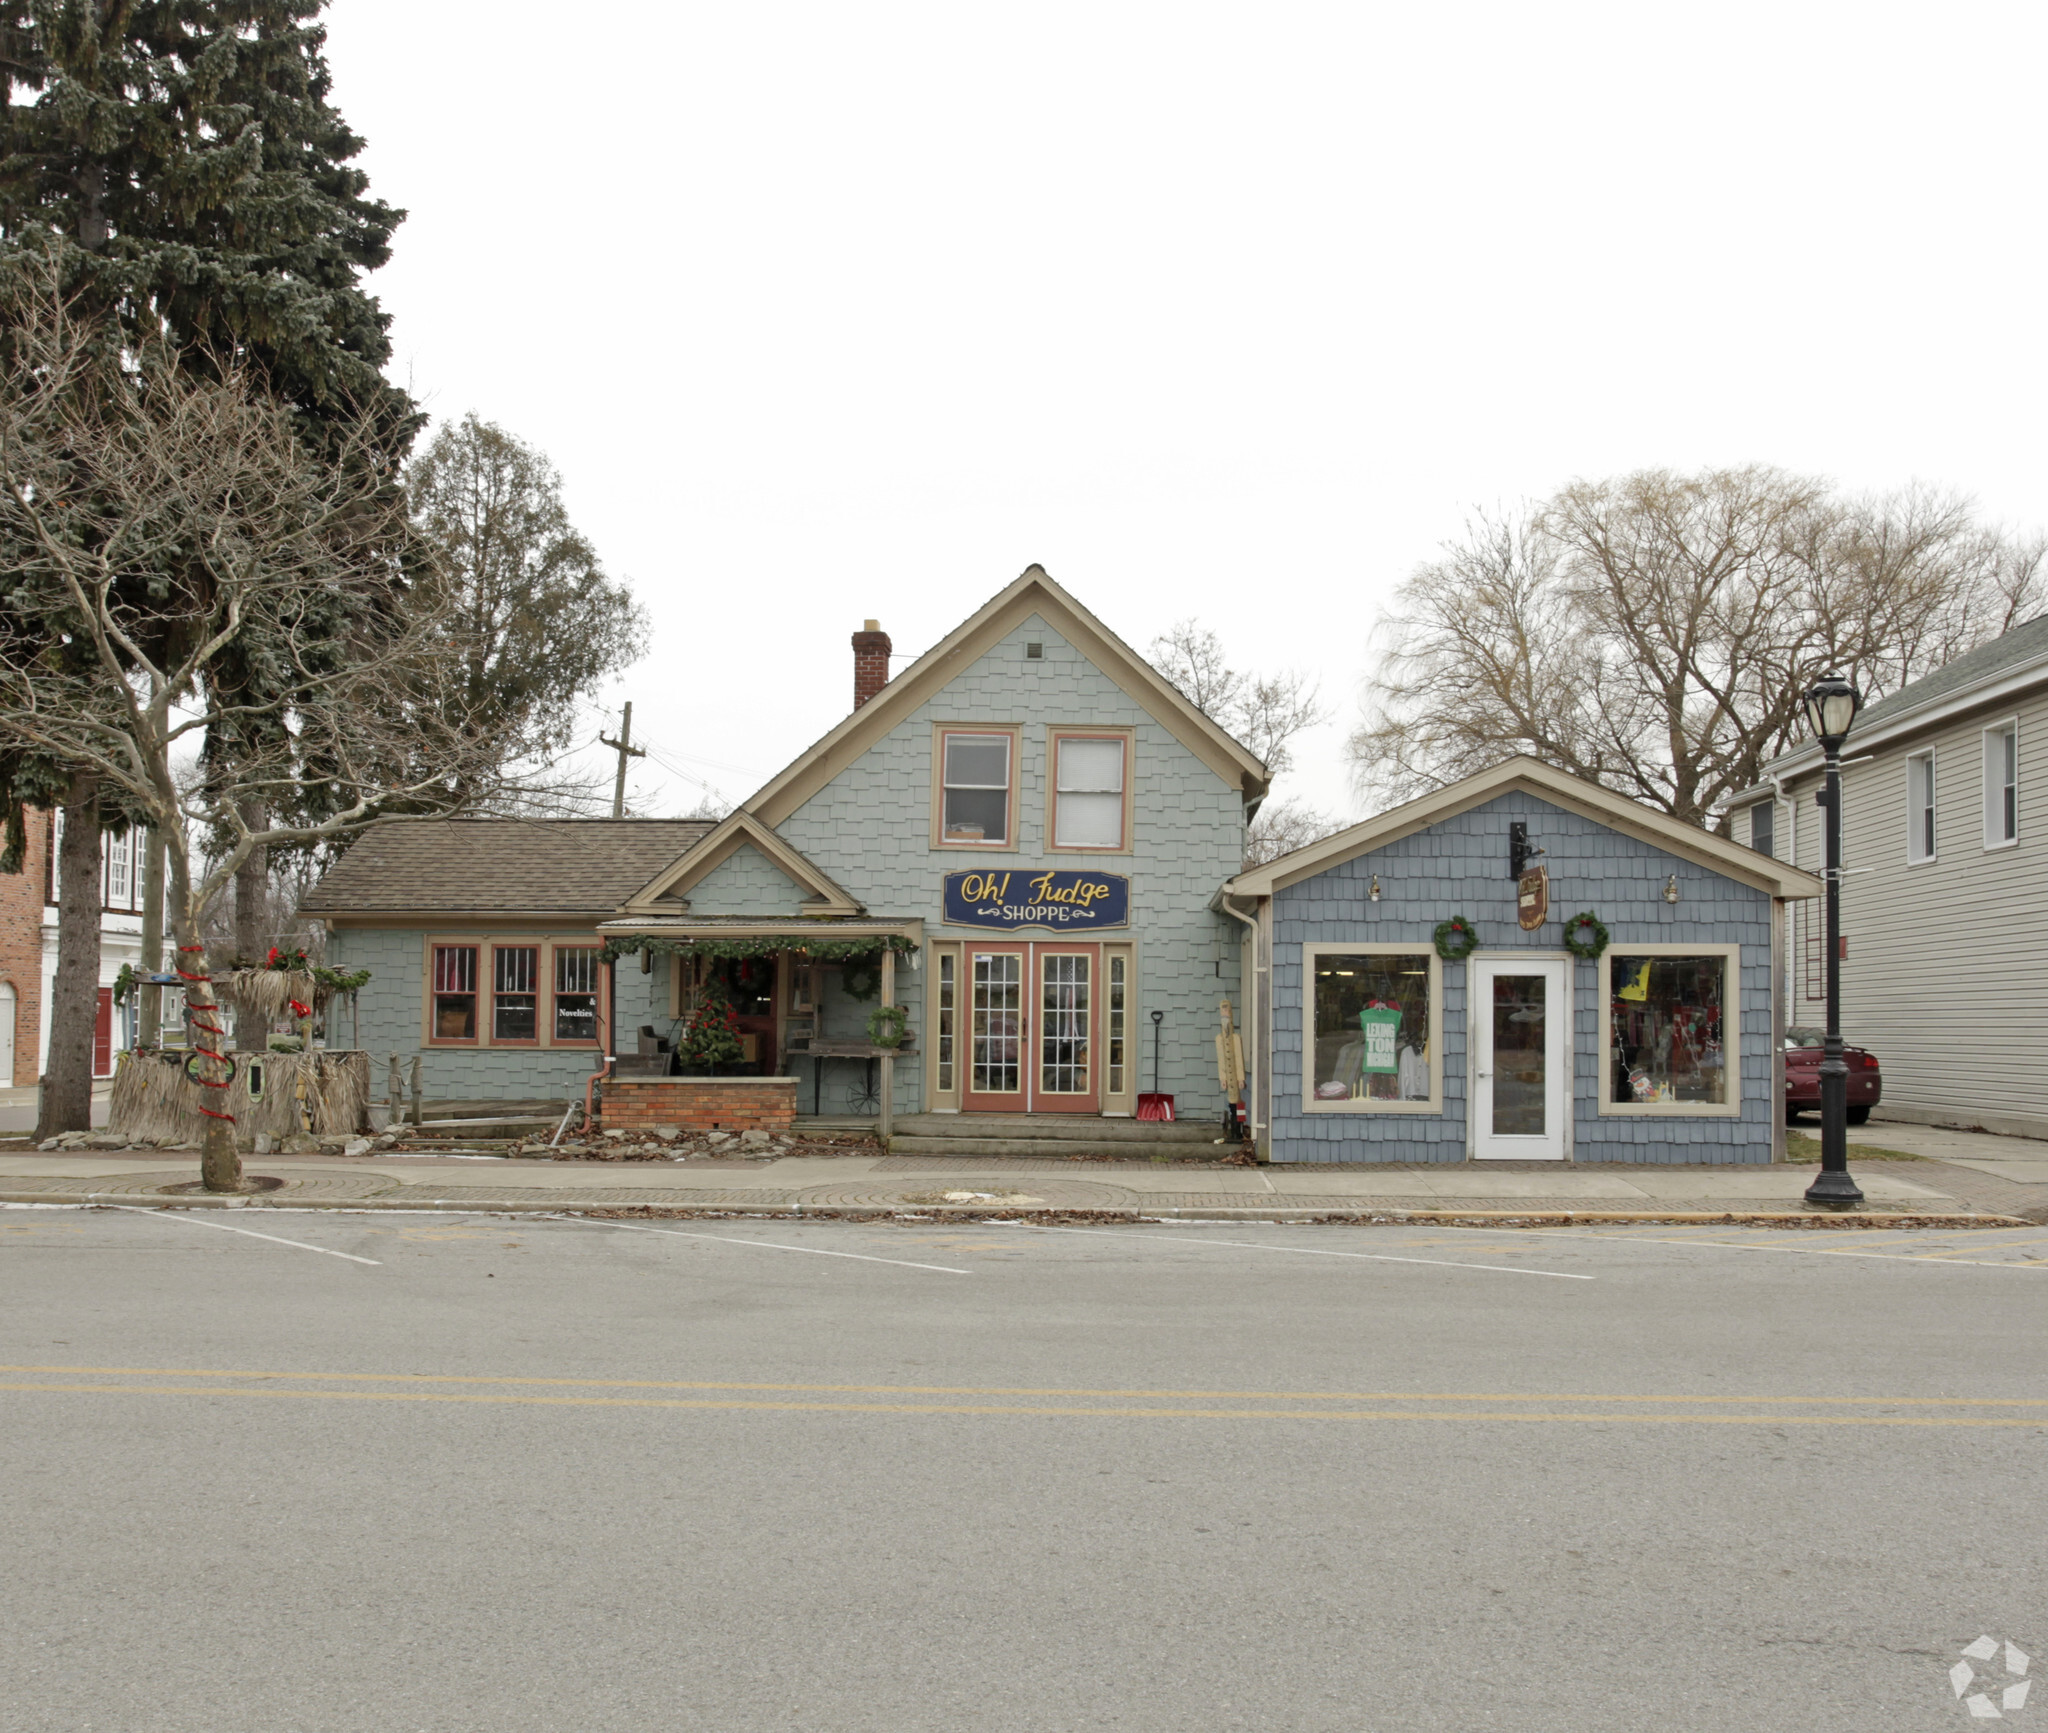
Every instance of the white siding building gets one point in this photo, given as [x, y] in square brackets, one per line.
[1945, 893]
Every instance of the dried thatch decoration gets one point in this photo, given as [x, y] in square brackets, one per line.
[321, 1092]
[268, 993]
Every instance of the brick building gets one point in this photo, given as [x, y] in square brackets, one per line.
[28, 950]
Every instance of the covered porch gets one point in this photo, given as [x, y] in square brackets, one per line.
[811, 1001]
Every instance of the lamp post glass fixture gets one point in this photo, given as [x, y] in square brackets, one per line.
[1831, 708]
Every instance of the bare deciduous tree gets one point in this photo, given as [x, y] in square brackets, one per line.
[1282, 826]
[160, 522]
[1656, 632]
[1264, 712]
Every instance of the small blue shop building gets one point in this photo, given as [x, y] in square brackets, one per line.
[1523, 966]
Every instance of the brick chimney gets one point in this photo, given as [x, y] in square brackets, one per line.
[870, 661]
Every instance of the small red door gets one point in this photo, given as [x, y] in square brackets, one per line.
[103, 1035]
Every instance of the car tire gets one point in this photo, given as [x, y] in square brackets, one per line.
[1859, 1116]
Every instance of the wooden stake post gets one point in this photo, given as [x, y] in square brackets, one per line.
[886, 1116]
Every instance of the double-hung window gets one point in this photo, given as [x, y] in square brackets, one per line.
[977, 775]
[1920, 807]
[2002, 785]
[455, 992]
[1091, 773]
[119, 869]
[575, 992]
[1762, 826]
[515, 994]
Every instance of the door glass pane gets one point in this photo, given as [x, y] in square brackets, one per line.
[947, 1012]
[1520, 1084]
[1118, 1018]
[1063, 1027]
[996, 1032]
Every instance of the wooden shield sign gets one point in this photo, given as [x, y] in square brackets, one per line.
[1532, 899]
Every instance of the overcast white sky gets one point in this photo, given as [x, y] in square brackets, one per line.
[832, 311]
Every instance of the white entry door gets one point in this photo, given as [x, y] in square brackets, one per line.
[1521, 1066]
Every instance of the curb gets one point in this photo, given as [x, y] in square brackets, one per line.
[1867, 1220]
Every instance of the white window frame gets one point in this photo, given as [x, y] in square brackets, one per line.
[1310, 955]
[1995, 784]
[120, 870]
[1770, 809]
[1731, 1035]
[1923, 808]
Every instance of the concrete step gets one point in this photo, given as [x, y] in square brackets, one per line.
[1057, 1128]
[1053, 1148]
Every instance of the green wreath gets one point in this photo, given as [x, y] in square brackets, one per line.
[887, 1025]
[1456, 939]
[1590, 949]
[861, 976]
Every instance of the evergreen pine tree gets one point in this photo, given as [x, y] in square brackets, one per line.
[180, 162]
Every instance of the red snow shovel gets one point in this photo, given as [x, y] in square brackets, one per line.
[1154, 1105]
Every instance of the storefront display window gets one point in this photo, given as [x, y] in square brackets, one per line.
[1374, 1015]
[1670, 1029]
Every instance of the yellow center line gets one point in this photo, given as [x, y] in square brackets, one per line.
[983, 1408]
[1023, 1389]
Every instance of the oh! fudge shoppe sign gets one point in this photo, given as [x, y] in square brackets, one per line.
[1056, 900]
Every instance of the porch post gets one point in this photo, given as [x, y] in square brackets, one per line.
[888, 1103]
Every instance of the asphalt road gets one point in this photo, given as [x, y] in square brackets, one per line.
[585, 1476]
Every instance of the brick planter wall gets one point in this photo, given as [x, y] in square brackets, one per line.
[698, 1103]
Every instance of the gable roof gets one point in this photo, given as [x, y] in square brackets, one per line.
[666, 892]
[499, 866]
[1032, 593]
[1528, 775]
[2008, 665]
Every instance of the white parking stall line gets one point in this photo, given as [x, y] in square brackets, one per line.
[202, 1222]
[1188, 1238]
[775, 1246]
[1899, 1257]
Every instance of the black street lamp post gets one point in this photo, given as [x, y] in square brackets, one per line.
[1831, 708]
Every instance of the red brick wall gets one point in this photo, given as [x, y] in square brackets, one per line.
[870, 663]
[700, 1104]
[21, 945]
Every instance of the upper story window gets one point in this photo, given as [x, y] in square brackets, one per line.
[1920, 807]
[1090, 778]
[977, 784]
[120, 869]
[2002, 785]
[1763, 826]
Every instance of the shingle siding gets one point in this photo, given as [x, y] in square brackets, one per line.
[870, 828]
[389, 1010]
[746, 882]
[1460, 866]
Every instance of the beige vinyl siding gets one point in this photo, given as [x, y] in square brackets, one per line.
[1947, 973]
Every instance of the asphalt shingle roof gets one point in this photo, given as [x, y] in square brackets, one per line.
[500, 865]
[2023, 643]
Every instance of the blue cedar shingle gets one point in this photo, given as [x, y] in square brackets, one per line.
[1460, 867]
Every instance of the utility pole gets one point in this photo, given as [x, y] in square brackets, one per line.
[625, 748]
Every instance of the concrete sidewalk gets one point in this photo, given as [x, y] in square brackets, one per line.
[803, 1184]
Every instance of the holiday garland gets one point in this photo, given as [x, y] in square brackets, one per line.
[1589, 949]
[1456, 939]
[810, 950]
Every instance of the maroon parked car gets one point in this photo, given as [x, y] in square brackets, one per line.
[1803, 1054]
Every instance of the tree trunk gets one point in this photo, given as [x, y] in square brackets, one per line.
[151, 1031]
[252, 885]
[220, 1162]
[75, 994]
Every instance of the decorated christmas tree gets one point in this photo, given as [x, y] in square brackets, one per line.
[712, 1036]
